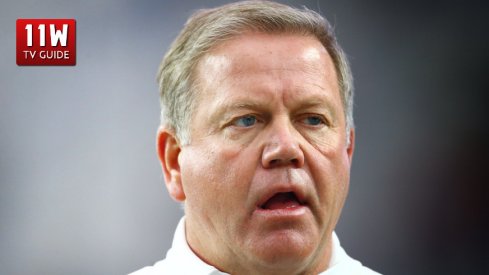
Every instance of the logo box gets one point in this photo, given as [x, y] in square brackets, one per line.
[46, 42]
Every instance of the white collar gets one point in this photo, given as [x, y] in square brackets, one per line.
[180, 259]
[181, 253]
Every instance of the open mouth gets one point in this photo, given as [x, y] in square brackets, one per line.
[282, 200]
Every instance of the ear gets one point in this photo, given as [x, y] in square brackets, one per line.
[168, 150]
[351, 145]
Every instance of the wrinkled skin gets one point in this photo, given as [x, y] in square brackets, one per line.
[269, 119]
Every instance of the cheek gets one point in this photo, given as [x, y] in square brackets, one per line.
[196, 175]
[330, 170]
[327, 141]
[216, 177]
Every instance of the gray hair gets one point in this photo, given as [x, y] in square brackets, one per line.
[208, 27]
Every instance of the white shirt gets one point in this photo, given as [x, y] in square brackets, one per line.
[180, 259]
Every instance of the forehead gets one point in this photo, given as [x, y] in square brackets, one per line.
[268, 62]
[248, 48]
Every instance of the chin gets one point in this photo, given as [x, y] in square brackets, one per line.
[286, 249]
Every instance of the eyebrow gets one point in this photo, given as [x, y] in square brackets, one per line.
[226, 108]
[245, 105]
[322, 104]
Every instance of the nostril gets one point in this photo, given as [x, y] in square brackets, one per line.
[277, 162]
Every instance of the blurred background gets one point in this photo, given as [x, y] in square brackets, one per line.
[81, 191]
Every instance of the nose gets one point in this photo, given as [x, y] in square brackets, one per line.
[282, 147]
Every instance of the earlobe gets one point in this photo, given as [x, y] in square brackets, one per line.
[168, 150]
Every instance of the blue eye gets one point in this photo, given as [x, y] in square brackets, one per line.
[245, 121]
[313, 120]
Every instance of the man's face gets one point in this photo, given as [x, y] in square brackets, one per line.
[266, 172]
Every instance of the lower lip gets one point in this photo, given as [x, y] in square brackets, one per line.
[289, 212]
